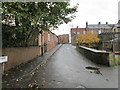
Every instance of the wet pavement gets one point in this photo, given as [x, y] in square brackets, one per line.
[65, 69]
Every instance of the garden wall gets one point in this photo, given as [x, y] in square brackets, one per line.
[18, 55]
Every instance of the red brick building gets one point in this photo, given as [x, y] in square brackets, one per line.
[75, 31]
[47, 41]
[93, 28]
[64, 38]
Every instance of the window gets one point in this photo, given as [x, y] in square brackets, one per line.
[78, 32]
[74, 32]
[114, 30]
[55, 39]
[92, 32]
[99, 31]
[48, 37]
[84, 32]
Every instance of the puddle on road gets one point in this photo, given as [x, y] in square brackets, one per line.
[92, 68]
[95, 70]
[80, 86]
[58, 82]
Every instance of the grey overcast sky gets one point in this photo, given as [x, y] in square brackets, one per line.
[93, 11]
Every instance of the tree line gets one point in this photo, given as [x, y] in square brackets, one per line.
[23, 21]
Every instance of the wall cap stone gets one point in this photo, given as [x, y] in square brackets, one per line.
[94, 50]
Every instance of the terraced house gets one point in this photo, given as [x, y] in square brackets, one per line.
[93, 28]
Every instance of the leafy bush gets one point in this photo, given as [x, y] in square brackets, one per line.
[88, 39]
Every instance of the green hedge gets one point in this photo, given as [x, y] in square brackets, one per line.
[13, 36]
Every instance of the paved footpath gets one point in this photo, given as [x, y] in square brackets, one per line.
[63, 69]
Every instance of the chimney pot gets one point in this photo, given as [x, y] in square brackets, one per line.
[99, 23]
[86, 24]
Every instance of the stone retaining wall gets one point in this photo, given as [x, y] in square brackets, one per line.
[97, 56]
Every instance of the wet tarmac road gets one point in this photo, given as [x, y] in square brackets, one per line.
[66, 69]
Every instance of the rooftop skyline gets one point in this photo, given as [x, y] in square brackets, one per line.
[92, 11]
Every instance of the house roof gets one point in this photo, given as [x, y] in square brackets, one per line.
[101, 26]
[64, 35]
[109, 33]
[77, 28]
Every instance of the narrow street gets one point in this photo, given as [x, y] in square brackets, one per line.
[60, 44]
[66, 69]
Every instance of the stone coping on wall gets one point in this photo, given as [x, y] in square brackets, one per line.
[94, 50]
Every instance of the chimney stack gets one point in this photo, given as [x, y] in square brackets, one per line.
[99, 23]
[86, 24]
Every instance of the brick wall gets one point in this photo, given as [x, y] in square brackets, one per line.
[52, 43]
[18, 55]
[48, 41]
